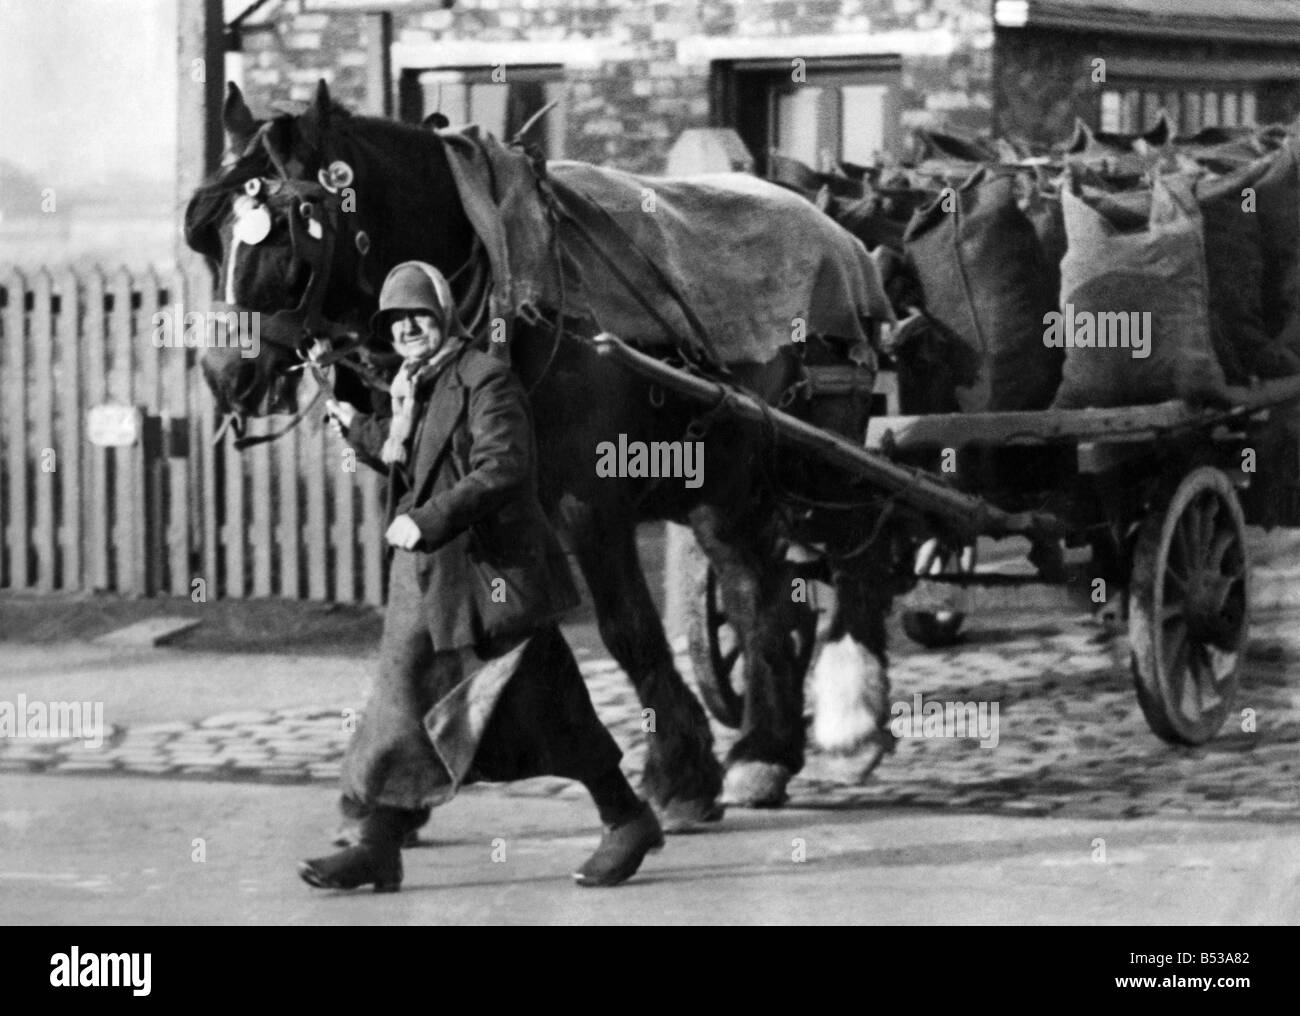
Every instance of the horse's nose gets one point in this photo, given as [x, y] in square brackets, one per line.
[245, 380]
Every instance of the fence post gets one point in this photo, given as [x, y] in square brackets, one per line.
[98, 540]
[289, 531]
[318, 459]
[178, 415]
[15, 425]
[72, 514]
[44, 469]
[130, 507]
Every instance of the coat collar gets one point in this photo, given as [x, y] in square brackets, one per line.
[444, 406]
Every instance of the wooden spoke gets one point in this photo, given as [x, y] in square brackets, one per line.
[1175, 648]
[1183, 546]
[1209, 513]
[1206, 674]
[1190, 701]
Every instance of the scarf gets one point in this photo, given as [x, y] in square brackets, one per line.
[411, 377]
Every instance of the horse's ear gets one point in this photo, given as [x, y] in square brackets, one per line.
[1082, 139]
[322, 107]
[237, 119]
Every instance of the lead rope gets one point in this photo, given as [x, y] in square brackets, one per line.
[323, 387]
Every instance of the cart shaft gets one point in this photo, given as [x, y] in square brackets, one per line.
[968, 515]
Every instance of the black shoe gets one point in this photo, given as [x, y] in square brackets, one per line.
[382, 824]
[621, 851]
[349, 835]
[364, 864]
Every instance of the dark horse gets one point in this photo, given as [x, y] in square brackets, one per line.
[405, 206]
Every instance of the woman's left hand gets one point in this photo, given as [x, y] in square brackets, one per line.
[403, 533]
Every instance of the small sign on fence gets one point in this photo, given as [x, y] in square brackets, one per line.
[114, 426]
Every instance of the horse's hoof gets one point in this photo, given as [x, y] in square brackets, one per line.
[756, 785]
[853, 770]
[679, 817]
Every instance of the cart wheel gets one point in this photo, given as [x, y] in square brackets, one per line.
[1189, 608]
[936, 629]
[717, 658]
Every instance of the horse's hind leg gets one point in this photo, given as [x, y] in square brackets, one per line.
[682, 776]
[756, 593]
[850, 684]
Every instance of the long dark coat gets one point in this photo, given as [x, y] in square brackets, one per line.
[489, 564]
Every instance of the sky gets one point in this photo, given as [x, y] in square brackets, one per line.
[88, 88]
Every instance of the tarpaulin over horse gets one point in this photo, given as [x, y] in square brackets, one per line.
[726, 263]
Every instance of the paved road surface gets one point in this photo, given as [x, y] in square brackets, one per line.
[1078, 814]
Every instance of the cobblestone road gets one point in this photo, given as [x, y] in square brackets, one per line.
[1072, 741]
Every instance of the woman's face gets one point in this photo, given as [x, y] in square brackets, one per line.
[415, 334]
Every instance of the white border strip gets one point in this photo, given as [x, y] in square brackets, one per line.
[475, 53]
[701, 49]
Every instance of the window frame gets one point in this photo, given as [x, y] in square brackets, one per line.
[741, 94]
[411, 94]
[1150, 94]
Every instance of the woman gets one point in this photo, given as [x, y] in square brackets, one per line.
[475, 680]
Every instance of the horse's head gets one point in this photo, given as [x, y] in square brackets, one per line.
[302, 223]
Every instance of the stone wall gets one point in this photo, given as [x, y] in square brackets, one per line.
[642, 79]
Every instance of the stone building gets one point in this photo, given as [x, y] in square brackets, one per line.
[1116, 63]
[818, 80]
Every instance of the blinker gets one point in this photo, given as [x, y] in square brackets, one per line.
[252, 221]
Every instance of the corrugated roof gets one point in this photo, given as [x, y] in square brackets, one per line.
[1230, 10]
[1275, 22]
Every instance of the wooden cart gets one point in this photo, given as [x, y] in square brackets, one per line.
[1154, 491]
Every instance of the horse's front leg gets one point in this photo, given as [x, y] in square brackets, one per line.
[682, 775]
[757, 596]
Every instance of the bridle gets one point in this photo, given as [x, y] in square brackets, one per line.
[314, 210]
[318, 229]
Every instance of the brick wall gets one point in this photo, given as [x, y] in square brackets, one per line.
[628, 102]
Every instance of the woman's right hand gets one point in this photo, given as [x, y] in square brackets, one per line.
[341, 415]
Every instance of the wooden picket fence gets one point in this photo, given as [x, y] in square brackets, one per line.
[280, 519]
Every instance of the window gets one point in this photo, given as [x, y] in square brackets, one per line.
[1132, 108]
[820, 111]
[500, 99]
